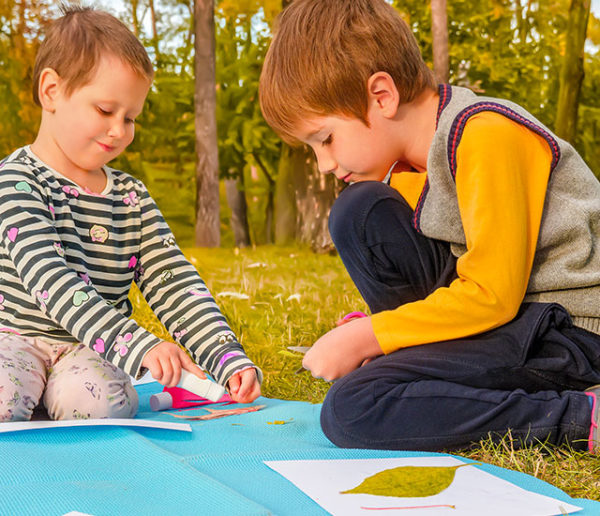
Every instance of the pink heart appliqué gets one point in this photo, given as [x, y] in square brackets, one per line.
[99, 346]
[12, 234]
[132, 262]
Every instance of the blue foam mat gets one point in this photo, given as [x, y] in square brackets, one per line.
[215, 470]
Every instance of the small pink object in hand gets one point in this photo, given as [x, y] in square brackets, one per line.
[178, 398]
[354, 315]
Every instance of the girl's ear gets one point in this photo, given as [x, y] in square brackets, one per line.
[48, 89]
[383, 94]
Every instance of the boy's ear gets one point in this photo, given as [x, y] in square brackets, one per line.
[48, 89]
[383, 94]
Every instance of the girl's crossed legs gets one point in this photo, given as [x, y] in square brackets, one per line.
[72, 381]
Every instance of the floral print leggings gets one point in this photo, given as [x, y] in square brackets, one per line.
[71, 380]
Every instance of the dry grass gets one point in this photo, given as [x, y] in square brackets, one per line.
[293, 297]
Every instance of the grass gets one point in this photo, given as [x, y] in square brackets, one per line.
[293, 297]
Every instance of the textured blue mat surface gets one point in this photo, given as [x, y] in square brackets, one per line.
[217, 469]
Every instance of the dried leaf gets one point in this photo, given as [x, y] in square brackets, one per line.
[279, 422]
[217, 413]
[408, 481]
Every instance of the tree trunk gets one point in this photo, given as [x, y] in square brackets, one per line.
[291, 164]
[571, 73]
[236, 198]
[154, 33]
[207, 156]
[135, 19]
[270, 210]
[439, 29]
[315, 194]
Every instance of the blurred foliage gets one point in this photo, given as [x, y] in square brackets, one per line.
[506, 48]
[513, 49]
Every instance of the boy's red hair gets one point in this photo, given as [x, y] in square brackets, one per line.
[323, 53]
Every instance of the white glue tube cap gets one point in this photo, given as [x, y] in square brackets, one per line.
[161, 401]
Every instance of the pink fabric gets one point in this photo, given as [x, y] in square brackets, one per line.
[71, 380]
[354, 315]
[594, 425]
[184, 399]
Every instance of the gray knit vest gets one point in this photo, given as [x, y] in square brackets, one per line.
[566, 266]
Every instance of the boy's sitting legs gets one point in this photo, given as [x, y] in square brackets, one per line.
[526, 376]
[82, 385]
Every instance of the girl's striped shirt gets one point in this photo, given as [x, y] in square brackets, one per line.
[68, 257]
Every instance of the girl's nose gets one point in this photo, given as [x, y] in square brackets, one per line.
[117, 129]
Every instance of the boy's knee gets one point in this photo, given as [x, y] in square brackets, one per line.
[341, 413]
[72, 398]
[357, 203]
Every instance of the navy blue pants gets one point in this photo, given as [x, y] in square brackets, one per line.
[526, 376]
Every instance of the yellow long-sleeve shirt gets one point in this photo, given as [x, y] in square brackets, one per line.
[501, 179]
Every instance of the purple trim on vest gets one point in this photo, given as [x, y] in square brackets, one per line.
[445, 93]
[458, 126]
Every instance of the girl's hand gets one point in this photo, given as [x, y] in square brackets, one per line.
[244, 386]
[166, 361]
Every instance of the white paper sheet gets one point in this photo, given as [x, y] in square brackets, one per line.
[19, 426]
[473, 491]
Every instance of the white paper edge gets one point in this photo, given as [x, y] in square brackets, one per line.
[147, 378]
[17, 426]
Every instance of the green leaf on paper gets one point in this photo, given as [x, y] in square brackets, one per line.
[408, 481]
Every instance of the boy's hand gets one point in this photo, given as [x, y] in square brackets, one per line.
[166, 361]
[243, 386]
[342, 350]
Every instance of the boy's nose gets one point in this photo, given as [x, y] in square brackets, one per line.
[326, 163]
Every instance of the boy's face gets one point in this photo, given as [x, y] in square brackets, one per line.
[349, 148]
[95, 123]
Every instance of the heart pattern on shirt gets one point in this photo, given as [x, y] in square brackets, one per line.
[23, 186]
[99, 346]
[12, 234]
[80, 297]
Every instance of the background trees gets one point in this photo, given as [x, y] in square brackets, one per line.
[508, 48]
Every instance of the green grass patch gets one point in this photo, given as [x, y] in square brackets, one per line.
[293, 297]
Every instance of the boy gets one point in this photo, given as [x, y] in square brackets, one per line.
[75, 233]
[479, 260]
